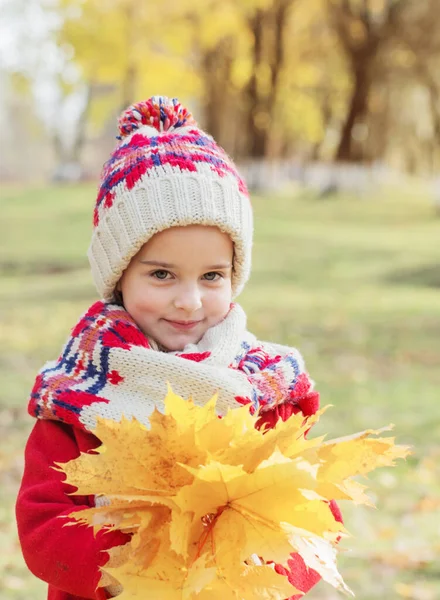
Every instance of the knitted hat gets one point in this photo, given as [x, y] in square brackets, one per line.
[165, 172]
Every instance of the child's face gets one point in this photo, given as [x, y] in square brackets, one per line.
[179, 284]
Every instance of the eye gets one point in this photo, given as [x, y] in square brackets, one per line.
[212, 276]
[160, 274]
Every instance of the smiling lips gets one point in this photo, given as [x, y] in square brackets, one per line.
[183, 325]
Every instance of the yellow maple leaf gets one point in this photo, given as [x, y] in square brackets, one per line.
[164, 577]
[357, 454]
[256, 503]
[201, 495]
[251, 582]
[234, 439]
[168, 579]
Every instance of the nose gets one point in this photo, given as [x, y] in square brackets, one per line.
[188, 298]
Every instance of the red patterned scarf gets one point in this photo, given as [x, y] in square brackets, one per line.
[109, 368]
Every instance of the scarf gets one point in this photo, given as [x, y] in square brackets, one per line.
[109, 368]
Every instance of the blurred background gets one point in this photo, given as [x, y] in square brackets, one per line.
[331, 109]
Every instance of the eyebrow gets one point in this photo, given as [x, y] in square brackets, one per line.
[165, 265]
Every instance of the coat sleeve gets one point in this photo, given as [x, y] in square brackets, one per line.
[66, 557]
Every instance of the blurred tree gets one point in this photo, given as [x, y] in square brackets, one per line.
[404, 104]
[268, 27]
[421, 36]
[314, 86]
[264, 80]
[127, 47]
[213, 46]
[233, 64]
[363, 27]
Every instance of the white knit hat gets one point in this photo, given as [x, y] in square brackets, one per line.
[165, 172]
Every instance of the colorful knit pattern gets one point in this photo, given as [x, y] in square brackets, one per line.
[108, 368]
[143, 155]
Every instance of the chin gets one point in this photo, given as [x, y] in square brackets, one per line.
[177, 345]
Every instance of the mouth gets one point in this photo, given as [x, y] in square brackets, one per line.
[183, 325]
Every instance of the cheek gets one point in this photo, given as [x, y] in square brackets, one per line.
[219, 300]
[141, 298]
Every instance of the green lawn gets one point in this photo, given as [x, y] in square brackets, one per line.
[353, 283]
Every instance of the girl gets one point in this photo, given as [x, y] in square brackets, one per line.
[171, 248]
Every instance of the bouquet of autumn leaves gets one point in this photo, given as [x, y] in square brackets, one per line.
[212, 502]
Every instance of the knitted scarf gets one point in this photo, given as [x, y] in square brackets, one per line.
[108, 368]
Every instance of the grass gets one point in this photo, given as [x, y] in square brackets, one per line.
[354, 284]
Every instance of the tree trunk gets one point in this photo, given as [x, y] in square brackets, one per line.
[256, 133]
[347, 150]
[434, 102]
[362, 32]
[217, 66]
[267, 27]
[279, 23]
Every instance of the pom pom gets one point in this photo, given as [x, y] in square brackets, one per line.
[159, 112]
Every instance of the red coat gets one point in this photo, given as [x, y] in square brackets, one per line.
[68, 558]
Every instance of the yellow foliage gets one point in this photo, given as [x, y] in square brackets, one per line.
[134, 51]
[202, 496]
